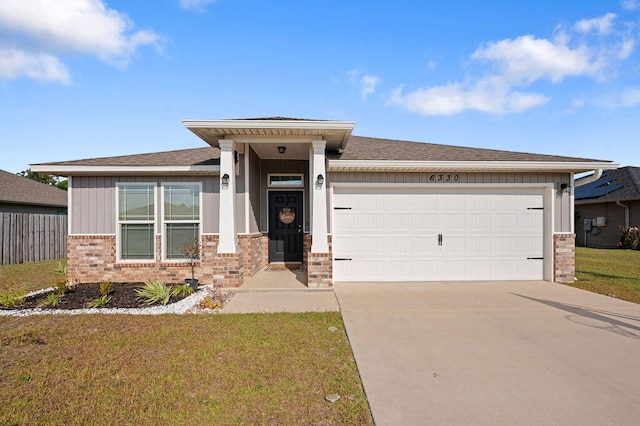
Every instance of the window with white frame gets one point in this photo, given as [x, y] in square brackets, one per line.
[181, 217]
[285, 181]
[136, 221]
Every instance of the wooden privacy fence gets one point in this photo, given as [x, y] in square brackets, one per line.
[27, 237]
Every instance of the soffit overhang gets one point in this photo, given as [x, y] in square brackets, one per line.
[467, 166]
[335, 133]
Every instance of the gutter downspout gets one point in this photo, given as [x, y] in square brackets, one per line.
[597, 174]
[626, 214]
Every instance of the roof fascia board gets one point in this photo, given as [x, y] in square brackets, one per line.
[578, 166]
[32, 203]
[66, 170]
[269, 124]
[602, 201]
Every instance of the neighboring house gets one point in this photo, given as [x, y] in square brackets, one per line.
[307, 192]
[21, 195]
[605, 205]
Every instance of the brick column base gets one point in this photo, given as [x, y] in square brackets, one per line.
[319, 265]
[564, 258]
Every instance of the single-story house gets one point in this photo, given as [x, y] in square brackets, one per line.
[308, 192]
[21, 195]
[610, 201]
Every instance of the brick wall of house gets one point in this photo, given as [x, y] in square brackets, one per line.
[253, 248]
[564, 258]
[319, 265]
[92, 258]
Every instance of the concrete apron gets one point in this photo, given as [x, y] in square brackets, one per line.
[493, 353]
[280, 291]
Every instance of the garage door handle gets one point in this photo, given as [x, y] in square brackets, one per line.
[342, 258]
[439, 239]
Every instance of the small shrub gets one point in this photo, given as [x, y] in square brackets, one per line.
[100, 301]
[154, 291]
[209, 303]
[214, 300]
[106, 288]
[61, 285]
[52, 299]
[12, 298]
[183, 290]
[61, 270]
[629, 238]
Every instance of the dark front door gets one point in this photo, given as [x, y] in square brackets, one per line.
[285, 226]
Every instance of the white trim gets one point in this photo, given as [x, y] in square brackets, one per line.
[247, 200]
[319, 234]
[547, 197]
[382, 165]
[118, 222]
[63, 170]
[269, 124]
[163, 233]
[572, 207]
[285, 186]
[228, 237]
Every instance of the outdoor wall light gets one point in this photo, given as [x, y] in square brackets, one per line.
[319, 181]
[564, 187]
[224, 181]
[282, 149]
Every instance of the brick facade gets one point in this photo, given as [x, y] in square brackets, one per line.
[319, 265]
[254, 247]
[564, 258]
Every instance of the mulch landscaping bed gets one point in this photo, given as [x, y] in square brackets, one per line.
[80, 295]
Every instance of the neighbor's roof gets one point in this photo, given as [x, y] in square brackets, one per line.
[20, 190]
[361, 153]
[614, 185]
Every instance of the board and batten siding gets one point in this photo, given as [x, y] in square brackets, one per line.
[93, 201]
[562, 207]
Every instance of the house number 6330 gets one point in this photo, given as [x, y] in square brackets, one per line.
[444, 178]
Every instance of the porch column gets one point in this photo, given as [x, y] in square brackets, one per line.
[228, 242]
[319, 242]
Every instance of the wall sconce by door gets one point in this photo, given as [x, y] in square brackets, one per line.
[224, 181]
[319, 181]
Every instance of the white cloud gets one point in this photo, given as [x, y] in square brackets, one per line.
[365, 83]
[40, 29]
[630, 4]
[40, 67]
[195, 4]
[499, 70]
[602, 24]
[631, 98]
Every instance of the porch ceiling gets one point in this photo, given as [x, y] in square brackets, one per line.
[273, 132]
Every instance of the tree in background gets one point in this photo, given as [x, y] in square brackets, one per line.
[45, 178]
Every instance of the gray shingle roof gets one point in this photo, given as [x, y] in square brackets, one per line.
[365, 148]
[18, 189]
[614, 185]
[358, 148]
[184, 157]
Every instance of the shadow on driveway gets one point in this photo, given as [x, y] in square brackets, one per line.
[593, 318]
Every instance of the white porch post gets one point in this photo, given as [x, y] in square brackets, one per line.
[319, 240]
[228, 242]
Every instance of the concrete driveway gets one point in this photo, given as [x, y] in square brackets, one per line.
[494, 353]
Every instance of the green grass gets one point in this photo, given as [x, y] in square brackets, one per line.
[28, 276]
[178, 369]
[609, 271]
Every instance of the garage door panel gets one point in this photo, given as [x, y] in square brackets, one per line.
[392, 234]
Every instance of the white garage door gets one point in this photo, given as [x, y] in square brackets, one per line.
[420, 234]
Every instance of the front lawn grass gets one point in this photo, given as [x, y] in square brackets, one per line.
[28, 276]
[178, 369]
[609, 271]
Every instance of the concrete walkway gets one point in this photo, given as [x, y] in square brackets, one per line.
[280, 291]
[499, 353]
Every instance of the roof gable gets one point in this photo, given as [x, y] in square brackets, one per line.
[20, 190]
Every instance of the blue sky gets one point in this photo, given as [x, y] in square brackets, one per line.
[93, 78]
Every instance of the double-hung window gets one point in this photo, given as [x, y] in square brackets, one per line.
[181, 217]
[136, 221]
